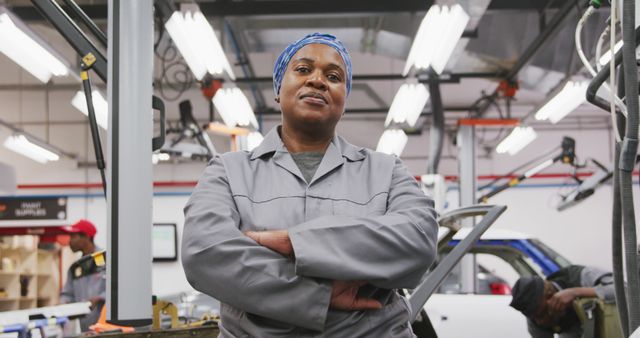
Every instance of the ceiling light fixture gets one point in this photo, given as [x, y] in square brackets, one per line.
[30, 52]
[572, 95]
[23, 146]
[157, 157]
[437, 36]
[407, 105]
[253, 140]
[392, 141]
[100, 107]
[519, 138]
[198, 44]
[234, 108]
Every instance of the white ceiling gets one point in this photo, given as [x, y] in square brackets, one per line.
[379, 43]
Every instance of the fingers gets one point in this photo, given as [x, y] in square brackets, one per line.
[254, 235]
[366, 304]
[276, 240]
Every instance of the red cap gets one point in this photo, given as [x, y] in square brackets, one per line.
[82, 226]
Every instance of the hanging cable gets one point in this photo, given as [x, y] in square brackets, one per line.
[616, 228]
[612, 71]
[583, 58]
[628, 159]
[600, 42]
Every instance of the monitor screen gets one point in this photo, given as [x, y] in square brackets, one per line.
[164, 242]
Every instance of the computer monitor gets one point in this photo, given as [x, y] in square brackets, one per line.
[164, 242]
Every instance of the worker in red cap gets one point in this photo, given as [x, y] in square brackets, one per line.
[86, 280]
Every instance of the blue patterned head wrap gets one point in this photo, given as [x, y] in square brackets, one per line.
[286, 55]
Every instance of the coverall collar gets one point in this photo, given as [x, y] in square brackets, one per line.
[334, 157]
[273, 143]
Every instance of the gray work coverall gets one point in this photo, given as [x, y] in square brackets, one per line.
[362, 217]
[82, 290]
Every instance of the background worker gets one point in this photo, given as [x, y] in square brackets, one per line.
[86, 281]
[548, 304]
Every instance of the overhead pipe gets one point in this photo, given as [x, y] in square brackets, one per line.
[445, 77]
[550, 29]
[189, 184]
[73, 6]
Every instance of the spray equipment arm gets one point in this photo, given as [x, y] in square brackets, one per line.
[567, 156]
[586, 187]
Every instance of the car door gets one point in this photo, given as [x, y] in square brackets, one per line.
[486, 312]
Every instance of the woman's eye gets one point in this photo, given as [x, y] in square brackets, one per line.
[302, 70]
[333, 77]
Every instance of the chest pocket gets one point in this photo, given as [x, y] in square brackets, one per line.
[375, 205]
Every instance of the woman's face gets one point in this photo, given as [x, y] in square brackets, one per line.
[313, 90]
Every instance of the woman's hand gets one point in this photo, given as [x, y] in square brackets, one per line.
[344, 296]
[276, 240]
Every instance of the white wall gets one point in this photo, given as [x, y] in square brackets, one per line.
[581, 233]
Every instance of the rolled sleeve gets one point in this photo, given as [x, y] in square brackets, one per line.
[601, 281]
[221, 261]
[389, 251]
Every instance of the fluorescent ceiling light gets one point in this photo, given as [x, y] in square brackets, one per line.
[100, 107]
[223, 129]
[407, 104]
[22, 46]
[253, 140]
[572, 95]
[540, 167]
[157, 157]
[392, 141]
[21, 145]
[198, 44]
[437, 36]
[234, 108]
[606, 57]
[519, 138]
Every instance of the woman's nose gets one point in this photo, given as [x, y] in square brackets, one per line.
[316, 80]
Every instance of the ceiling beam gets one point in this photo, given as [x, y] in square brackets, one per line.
[293, 7]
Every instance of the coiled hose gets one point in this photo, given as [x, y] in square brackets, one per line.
[627, 162]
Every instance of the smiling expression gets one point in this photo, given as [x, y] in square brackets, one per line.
[313, 91]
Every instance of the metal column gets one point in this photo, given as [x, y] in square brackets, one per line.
[130, 191]
[467, 169]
